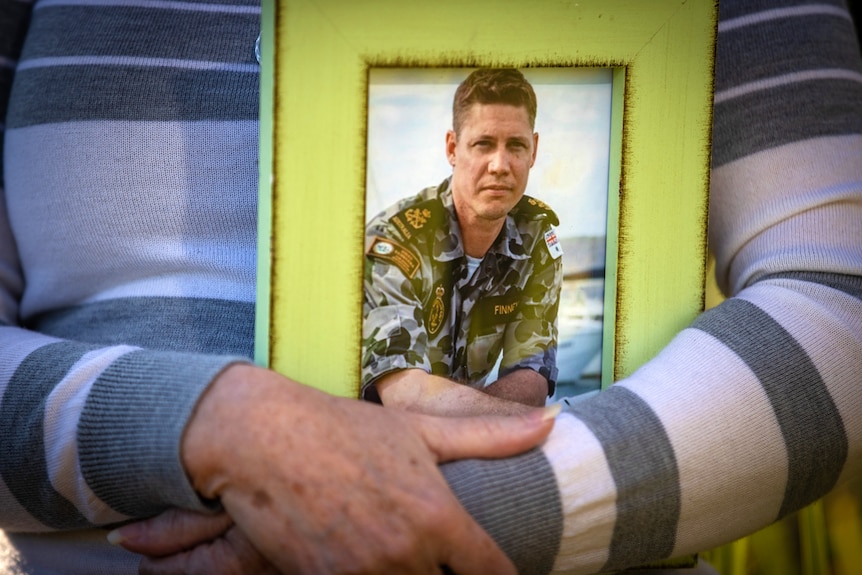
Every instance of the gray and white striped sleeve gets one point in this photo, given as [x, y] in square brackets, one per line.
[130, 305]
[753, 411]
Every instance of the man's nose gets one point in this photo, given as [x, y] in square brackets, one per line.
[499, 162]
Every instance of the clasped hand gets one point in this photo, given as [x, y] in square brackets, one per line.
[313, 483]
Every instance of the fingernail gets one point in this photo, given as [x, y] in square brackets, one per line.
[551, 411]
[115, 537]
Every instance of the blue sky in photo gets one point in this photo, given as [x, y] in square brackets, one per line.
[411, 109]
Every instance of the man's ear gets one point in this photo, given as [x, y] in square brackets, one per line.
[451, 141]
[535, 148]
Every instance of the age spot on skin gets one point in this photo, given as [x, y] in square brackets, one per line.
[261, 499]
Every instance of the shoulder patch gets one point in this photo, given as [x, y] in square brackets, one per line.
[391, 251]
[419, 218]
[532, 208]
[553, 243]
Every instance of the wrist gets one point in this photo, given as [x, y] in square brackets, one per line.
[205, 446]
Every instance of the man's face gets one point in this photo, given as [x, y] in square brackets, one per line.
[491, 159]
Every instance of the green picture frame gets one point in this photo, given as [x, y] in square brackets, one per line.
[315, 59]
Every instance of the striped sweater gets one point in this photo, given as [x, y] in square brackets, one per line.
[127, 248]
[127, 256]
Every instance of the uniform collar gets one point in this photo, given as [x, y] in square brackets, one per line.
[449, 244]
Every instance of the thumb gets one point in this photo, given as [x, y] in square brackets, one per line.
[486, 437]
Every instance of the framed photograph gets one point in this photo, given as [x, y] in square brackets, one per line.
[356, 101]
[409, 112]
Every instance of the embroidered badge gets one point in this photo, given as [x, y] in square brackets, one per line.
[402, 227]
[539, 203]
[417, 218]
[383, 248]
[403, 258]
[532, 208]
[504, 310]
[437, 312]
[553, 243]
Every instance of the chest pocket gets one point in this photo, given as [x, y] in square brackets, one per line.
[491, 314]
[488, 320]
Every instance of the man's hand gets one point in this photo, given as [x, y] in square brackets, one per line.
[321, 484]
[181, 542]
[421, 392]
[522, 385]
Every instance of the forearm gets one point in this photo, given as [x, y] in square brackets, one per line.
[90, 434]
[753, 412]
[522, 386]
[418, 391]
[741, 391]
[726, 431]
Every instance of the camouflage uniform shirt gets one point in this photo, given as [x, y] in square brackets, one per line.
[421, 310]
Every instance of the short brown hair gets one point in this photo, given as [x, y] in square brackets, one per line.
[493, 86]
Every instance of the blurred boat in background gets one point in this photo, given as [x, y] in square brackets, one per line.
[581, 325]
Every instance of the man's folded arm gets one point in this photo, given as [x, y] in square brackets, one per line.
[522, 385]
[419, 391]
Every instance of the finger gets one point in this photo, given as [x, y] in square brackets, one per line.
[173, 531]
[474, 552]
[186, 564]
[231, 555]
[173, 565]
[487, 437]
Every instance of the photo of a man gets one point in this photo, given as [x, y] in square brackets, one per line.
[467, 272]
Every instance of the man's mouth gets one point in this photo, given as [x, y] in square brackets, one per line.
[497, 188]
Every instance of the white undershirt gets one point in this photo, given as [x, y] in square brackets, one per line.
[472, 265]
